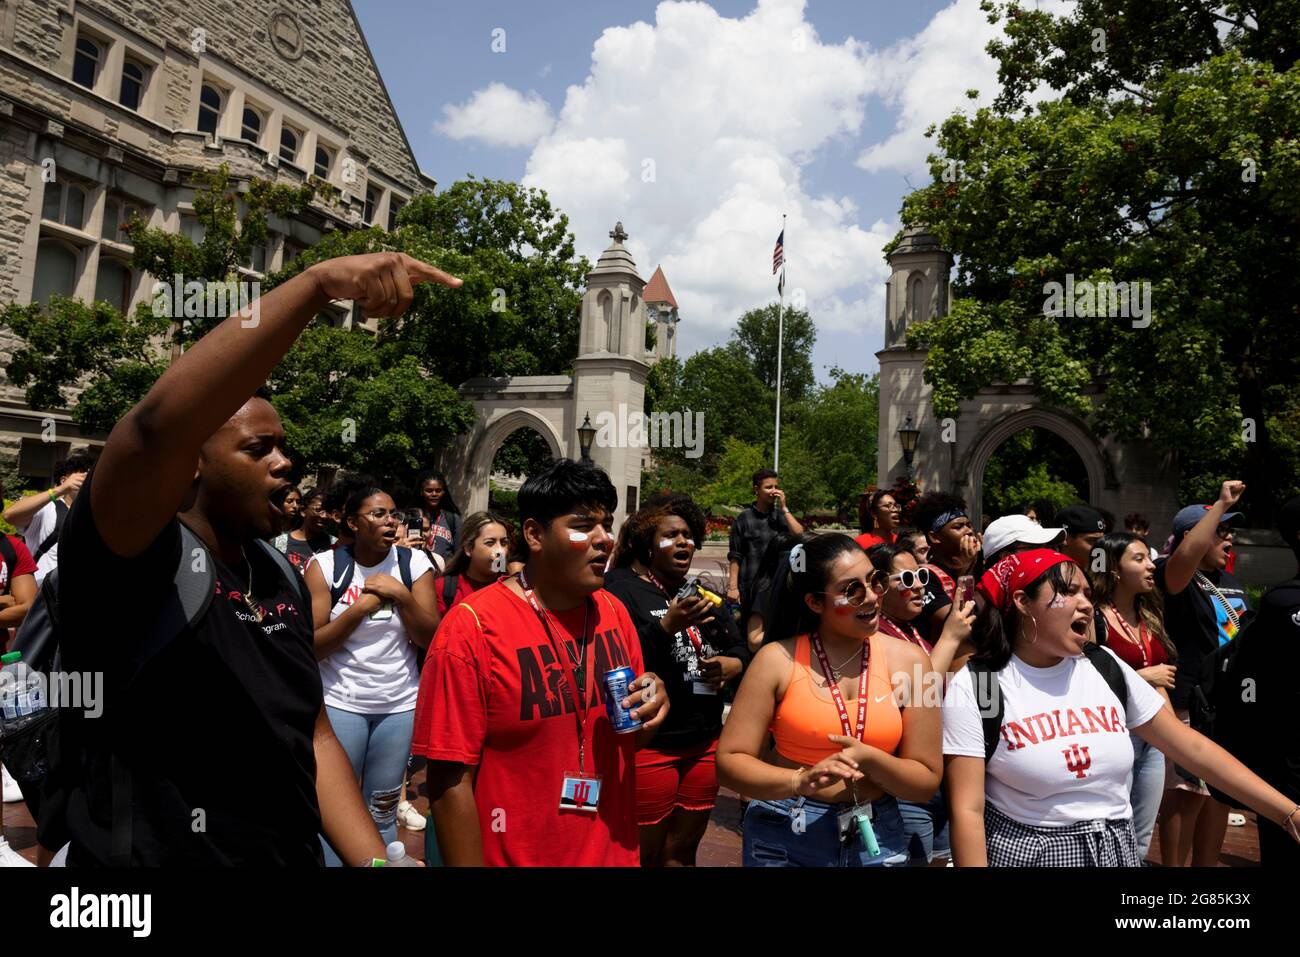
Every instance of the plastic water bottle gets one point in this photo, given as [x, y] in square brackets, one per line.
[21, 692]
[396, 854]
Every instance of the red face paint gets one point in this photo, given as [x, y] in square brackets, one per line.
[579, 541]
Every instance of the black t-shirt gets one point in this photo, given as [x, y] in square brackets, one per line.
[1271, 655]
[217, 728]
[1197, 624]
[750, 533]
[299, 553]
[935, 598]
[693, 718]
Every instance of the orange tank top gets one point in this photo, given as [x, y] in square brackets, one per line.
[807, 714]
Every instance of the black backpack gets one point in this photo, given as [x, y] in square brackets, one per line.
[345, 562]
[988, 693]
[1217, 706]
[43, 751]
[52, 539]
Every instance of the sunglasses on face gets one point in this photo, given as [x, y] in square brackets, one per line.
[856, 591]
[908, 579]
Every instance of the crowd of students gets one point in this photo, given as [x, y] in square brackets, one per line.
[1016, 694]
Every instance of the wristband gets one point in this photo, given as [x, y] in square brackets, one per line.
[794, 782]
[54, 494]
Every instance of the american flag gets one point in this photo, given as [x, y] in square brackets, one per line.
[778, 254]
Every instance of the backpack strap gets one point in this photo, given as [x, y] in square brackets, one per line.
[52, 539]
[945, 580]
[193, 586]
[344, 564]
[297, 583]
[404, 565]
[988, 698]
[11, 561]
[449, 585]
[1110, 669]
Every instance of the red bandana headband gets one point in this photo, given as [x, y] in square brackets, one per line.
[1015, 572]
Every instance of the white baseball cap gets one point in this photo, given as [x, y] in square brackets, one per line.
[1010, 529]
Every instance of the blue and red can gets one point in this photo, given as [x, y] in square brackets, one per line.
[617, 683]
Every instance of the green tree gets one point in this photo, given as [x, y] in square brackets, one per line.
[837, 428]
[1168, 159]
[733, 483]
[1031, 467]
[756, 336]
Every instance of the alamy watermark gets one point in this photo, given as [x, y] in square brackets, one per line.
[196, 299]
[1100, 299]
[658, 430]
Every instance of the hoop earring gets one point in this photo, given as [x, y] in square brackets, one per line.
[1035, 621]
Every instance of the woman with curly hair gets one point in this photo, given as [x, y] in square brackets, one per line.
[695, 649]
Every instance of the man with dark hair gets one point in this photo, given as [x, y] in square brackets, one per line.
[213, 747]
[752, 529]
[524, 765]
[954, 551]
[40, 517]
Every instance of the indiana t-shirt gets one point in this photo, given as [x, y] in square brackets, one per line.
[1064, 753]
[375, 670]
[493, 695]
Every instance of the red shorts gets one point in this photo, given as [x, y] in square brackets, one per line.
[682, 777]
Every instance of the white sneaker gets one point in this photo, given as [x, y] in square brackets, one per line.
[12, 792]
[11, 858]
[1236, 820]
[409, 818]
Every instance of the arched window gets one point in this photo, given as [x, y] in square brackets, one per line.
[615, 328]
[132, 85]
[605, 303]
[916, 308]
[85, 62]
[113, 284]
[288, 145]
[56, 270]
[209, 109]
[251, 129]
[323, 162]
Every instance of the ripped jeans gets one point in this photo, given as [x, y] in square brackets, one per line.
[378, 746]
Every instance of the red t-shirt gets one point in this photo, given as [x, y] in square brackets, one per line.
[1130, 653]
[26, 565]
[871, 539]
[493, 696]
[464, 588]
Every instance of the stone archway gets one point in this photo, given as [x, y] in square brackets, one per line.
[1070, 428]
[490, 437]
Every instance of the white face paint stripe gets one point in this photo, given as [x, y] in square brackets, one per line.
[841, 600]
[665, 543]
[579, 537]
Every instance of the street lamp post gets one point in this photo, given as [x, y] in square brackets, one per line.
[586, 435]
[908, 433]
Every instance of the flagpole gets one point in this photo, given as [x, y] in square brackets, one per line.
[780, 339]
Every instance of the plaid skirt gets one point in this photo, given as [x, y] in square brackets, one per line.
[1085, 844]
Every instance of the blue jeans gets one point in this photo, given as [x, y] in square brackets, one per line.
[926, 826]
[799, 832]
[378, 746]
[1146, 792]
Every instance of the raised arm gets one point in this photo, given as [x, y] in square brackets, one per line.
[1182, 564]
[149, 461]
[21, 512]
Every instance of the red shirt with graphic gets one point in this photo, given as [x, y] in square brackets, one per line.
[23, 559]
[493, 695]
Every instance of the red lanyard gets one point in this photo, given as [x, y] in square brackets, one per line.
[692, 632]
[1142, 641]
[838, 698]
[579, 694]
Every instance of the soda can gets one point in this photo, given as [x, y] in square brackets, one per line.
[616, 689]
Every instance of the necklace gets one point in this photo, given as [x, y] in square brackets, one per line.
[837, 670]
[1144, 646]
[252, 605]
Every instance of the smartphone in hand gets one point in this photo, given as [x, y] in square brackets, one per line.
[965, 590]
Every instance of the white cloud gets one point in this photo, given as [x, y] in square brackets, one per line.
[498, 116]
[925, 77]
[688, 132]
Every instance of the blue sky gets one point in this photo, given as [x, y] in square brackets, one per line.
[697, 125]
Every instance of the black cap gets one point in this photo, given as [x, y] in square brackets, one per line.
[1080, 520]
[1288, 522]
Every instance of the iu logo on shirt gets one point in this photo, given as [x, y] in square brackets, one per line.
[1077, 760]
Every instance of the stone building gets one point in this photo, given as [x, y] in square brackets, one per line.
[661, 310]
[112, 108]
[951, 454]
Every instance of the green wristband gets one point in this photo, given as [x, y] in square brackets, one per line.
[54, 494]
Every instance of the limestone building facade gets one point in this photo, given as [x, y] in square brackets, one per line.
[113, 108]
